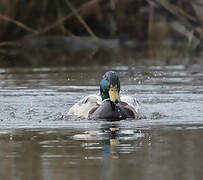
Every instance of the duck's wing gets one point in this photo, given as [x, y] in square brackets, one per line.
[85, 105]
[132, 104]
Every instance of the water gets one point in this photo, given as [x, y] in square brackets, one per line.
[38, 140]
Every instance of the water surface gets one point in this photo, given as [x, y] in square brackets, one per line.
[39, 141]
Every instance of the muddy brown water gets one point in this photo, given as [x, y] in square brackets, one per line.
[39, 141]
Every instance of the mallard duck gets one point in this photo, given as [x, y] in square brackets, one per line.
[109, 105]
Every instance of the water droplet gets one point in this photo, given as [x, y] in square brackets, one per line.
[11, 137]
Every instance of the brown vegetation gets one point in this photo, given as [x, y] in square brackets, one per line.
[148, 22]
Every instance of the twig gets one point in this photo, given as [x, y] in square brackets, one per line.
[182, 18]
[88, 29]
[59, 15]
[150, 27]
[10, 43]
[61, 20]
[17, 23]
[179, 13]
[151, 19]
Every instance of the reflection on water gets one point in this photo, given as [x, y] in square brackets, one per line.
[151, 154]
[38, 140]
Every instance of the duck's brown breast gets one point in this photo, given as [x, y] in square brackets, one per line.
[111, 111]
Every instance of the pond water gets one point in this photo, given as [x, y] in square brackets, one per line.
[39, 141]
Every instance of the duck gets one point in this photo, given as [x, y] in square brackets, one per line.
[109, 104]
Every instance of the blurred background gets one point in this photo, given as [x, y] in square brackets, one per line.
[80, 32]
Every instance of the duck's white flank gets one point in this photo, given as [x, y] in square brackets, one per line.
[86, 104]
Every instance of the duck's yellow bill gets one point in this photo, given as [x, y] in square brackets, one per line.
[113, 94]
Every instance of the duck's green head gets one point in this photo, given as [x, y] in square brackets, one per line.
[110, 86]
